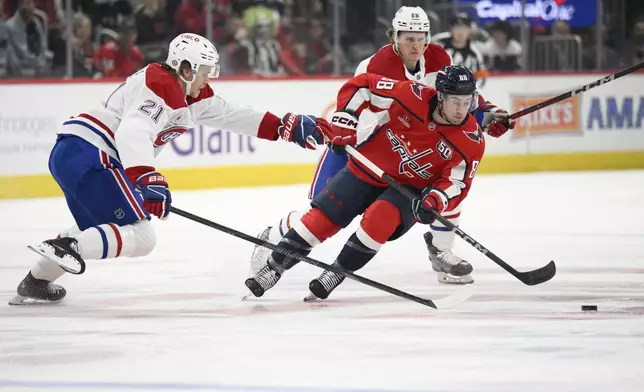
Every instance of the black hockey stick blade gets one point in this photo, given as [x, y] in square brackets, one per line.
[441, 303]
[529, 278]
[538, 276]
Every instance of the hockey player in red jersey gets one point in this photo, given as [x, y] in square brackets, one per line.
[104, 159]
[409, 56]
[426, 139]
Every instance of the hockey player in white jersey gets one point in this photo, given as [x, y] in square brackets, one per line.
[104, 159]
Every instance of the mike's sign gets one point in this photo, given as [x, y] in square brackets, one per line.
[578, 13]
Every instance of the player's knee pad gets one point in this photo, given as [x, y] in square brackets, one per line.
[138, 238]
[380, 220]
[315, 227]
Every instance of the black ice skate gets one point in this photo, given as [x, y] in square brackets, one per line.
[324, 285]
[38, 290]
[63, 251]
[450, 268]
[262, 281]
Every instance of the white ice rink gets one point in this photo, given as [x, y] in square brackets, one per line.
[174, 321]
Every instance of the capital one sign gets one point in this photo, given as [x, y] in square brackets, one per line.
[544, 12]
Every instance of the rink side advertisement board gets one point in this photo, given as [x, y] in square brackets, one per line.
[599, 129]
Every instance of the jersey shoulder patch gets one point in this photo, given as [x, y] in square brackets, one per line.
[165, 86]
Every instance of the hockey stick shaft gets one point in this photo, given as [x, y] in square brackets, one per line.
[530, 278]
[306, 259]
[576, 91]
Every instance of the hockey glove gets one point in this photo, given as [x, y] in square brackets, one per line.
[494, 121]
[430, 200]
[305, 131]
[153, 187]
[343, 130]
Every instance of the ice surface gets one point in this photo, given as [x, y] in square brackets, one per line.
[174, 320]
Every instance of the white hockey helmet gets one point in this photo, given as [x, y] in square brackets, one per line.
[411, 19]
[196, 50]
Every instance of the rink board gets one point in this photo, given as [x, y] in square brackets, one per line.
[600, 129]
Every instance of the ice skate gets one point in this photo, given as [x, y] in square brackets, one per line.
[63, 251]
[41, 291]
[450, 268]
[262, 281]
[260, 254]
[323, 285]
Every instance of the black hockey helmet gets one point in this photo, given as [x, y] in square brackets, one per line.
[455, 80]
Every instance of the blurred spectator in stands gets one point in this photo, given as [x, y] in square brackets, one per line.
[248, 8]
[319, 50]
[29, 40]
[264, 50]
[260, 13]
[233, 48]
[560, 51]
[634, 48]
[191, 17]
[502, 51]
[151, 22]
[294, 58]
[122, 57]
[82, 46]
[610, 59]
[110, 13]
[7, 55]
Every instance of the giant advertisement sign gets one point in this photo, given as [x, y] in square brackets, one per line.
[578, 13]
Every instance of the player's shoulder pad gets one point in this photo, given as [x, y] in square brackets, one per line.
[205, 93]
[382, 61]
[165, 86]
[437, 57]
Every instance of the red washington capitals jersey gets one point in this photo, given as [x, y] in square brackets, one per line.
[407, 143]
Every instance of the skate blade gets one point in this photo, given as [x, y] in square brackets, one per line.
[19, 300]
[446, 278]
[77, 269]
[310, 298]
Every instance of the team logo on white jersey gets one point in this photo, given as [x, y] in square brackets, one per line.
[411, 161]
[168, 135]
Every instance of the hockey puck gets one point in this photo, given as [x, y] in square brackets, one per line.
[589, 308]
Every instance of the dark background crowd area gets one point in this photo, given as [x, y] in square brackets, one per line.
[273, 38]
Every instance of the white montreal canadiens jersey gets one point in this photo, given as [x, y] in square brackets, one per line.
[148, 110]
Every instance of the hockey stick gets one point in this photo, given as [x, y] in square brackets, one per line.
[576, 91]
[530, 278]
[441, 303]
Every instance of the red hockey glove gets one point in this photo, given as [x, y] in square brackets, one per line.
[430, 200]
[305, 131]
[496, 122]
[342, 130]
[153, 187]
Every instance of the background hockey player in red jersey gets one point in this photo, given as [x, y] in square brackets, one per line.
[104, 159]
[410, 56]
[426, 140]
